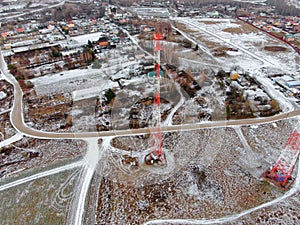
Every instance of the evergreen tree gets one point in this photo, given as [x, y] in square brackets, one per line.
[109, 95]
[90, 44]
[228, 111]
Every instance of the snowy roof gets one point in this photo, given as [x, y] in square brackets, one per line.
[3, 95]
[293, 83]
[287, 78]
[252, 93]
[83, 39]
[152, 74]
[121, 74]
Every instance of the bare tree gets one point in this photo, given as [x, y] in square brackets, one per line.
[169, 53]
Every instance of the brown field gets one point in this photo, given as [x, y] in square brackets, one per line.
[275, 48]
[184, 28]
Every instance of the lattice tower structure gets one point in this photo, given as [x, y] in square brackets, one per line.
[156, 152]
[281, 172]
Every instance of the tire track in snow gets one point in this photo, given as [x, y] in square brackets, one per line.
[5, 111]
[83, 187]
[40, 175]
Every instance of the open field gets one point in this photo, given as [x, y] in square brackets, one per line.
[31, 153]
[208, 179]
[251, 39]
[43, 201]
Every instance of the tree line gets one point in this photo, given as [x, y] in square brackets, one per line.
[282, 8]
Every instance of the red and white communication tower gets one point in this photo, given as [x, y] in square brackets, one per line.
[281, 172]
[156, 155]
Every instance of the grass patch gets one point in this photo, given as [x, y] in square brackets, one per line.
[208, 43]
[234, 30]
[209, 22]
[42, 201]
[183, 28]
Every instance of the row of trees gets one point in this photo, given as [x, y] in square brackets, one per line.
[69, 10]
[283, 8]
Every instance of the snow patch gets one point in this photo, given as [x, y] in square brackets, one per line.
[3, 95]
[83, 39]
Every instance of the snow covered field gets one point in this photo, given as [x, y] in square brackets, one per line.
[83, 39]
[211, 181]
[49, 198]
[250, 54]
[114, 65]
[73, 81]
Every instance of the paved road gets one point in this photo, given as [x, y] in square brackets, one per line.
[17, 119]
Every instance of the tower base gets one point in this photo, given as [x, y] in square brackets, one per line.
[280, 180]
[153, 159]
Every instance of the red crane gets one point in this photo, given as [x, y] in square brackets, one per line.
[281, 172]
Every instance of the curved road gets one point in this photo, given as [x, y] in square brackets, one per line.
[17, 119]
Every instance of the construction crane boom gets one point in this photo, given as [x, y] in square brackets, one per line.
[281, 172]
